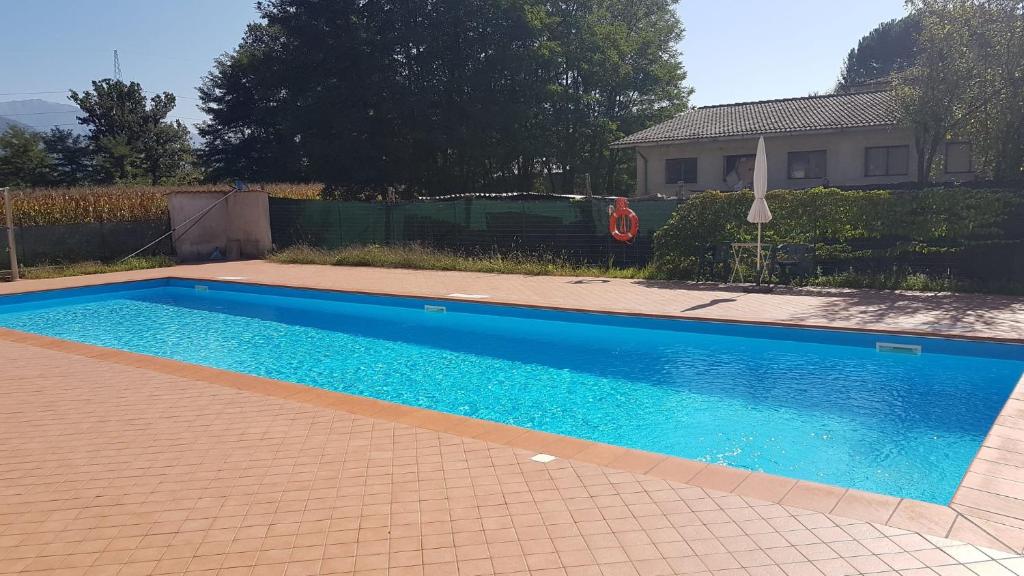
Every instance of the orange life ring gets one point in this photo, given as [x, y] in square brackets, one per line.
[627, 218]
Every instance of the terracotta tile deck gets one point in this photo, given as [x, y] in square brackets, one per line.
[111, 463]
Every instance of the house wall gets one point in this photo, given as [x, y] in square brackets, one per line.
[845, 160]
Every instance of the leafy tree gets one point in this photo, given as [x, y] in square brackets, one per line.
[448, 96]
[247, 135]
[72, 157]
[887, 50]
[166, 153]
[616, 70]
[131, 136]
[968, 81]
[23, 161]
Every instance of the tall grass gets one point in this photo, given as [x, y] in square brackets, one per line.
[53, 206]
[423, 258]
[86, 268]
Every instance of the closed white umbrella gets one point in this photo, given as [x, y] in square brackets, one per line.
[759, 213]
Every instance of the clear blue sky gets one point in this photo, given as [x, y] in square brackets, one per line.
[741, 50]
[735, 50]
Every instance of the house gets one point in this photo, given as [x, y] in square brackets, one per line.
[844, 139]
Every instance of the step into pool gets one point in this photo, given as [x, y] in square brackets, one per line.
[885, 413]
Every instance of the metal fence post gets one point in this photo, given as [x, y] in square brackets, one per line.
[12, 249]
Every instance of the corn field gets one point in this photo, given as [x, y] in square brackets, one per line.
[55, 206]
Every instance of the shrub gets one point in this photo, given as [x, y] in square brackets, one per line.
[897, 232]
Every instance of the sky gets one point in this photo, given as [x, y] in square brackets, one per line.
[734, 50]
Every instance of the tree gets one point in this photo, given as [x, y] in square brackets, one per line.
[166, 153]
[247, 135]
[132, 137]
[23, 161]
[443, 97]
[616, 70]
[887, 50]
[72, 157]
[967, 82]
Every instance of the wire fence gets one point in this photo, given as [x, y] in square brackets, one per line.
[575, 229]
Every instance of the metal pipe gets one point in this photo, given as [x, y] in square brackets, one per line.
[195, 216]
[641, 154]
[12, 248]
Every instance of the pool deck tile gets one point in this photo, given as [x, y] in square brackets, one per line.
[922, 517]
[877, 508]
[765, 487]
[988, 509]
[813, 496]
[720, 478]
[112, 466]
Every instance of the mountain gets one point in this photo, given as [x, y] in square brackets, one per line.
[41, 115]
[6, 123]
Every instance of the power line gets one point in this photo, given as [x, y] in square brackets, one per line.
[32, 93]
[66, 91]
[41, 113]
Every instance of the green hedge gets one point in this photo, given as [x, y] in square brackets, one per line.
[973, 232]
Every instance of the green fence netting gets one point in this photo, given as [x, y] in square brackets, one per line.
[46, 245]
[575, 229]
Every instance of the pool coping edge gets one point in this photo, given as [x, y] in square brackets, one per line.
[930, 334]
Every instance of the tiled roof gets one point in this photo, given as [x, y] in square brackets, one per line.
[830, 112]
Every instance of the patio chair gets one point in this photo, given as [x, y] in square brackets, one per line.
[716, 261]
[794, 261]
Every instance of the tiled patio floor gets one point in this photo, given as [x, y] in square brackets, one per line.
[108, 468]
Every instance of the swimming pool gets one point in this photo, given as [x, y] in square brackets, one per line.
[820, 405]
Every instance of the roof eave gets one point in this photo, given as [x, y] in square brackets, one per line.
[620, 144]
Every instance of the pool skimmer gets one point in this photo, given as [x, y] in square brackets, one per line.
[911, 349]
[544, 458]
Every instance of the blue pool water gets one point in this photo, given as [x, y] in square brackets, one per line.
[812, 404]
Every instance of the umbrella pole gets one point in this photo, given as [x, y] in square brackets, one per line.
[758, 252]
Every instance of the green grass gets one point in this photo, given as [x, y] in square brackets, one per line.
[92, 267]
[913, 282]
[423, 258]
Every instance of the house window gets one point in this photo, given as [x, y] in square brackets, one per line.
[738, 170]
[886, 160]
[958, 158]
[681, 170]
[805, 165]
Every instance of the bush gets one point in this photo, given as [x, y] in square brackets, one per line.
[937, 231]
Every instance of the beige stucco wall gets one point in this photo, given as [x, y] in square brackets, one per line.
[239, 227]
[845, 161]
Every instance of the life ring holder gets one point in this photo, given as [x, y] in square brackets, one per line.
[623, 223]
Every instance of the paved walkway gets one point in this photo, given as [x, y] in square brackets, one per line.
[113, 465]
